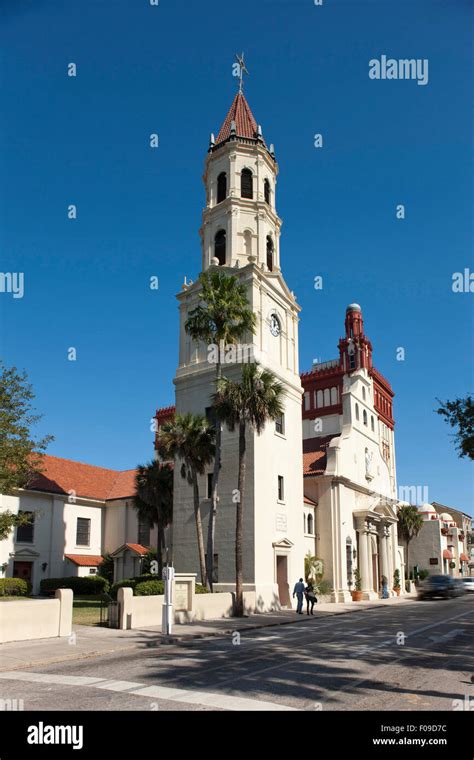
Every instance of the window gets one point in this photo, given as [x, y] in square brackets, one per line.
[357, 411]
[269, 254]
[219, 247]
[352, 361]
[310, 524]
[83, 531]
[144, 532]
[327, 397]
[209, 486]
[25, 533]
[246, 184]
[304, 523]
[333, 396]
[363, 393]
[306, 401]
[266, 191]
[92, 571]
[364, 417]
[281, 488]
[372, 422]
[319, 399]
[221, 187]
[280, 424]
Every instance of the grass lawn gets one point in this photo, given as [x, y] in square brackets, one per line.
[86, 609]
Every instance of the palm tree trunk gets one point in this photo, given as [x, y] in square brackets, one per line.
[211, 532]
[239, 593]
[200, 537]
[407, 569]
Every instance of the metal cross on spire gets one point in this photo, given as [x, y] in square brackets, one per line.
[242, 70]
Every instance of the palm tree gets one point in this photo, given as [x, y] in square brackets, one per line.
[190, 438]
[410, 522]
[222, 317]
[153, 500]
[248, 404]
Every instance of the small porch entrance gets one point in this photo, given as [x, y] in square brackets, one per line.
[23, 570]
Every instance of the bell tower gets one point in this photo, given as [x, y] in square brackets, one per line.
[240, 234]
[240, 223]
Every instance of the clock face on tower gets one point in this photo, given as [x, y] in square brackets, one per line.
[275, 327]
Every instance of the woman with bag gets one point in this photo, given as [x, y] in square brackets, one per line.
[310, 597]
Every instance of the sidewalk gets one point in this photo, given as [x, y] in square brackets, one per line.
[91, 641]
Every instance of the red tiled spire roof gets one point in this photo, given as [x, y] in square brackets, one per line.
[245, 123]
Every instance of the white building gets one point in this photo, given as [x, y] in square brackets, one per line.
[441, 545]
[344, 510]
[349, 465]
[240, 233]
[81, 513]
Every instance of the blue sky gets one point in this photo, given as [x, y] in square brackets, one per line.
[168, 69]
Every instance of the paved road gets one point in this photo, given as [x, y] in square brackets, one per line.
[412, 657]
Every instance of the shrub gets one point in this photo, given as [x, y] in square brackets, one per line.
[396, 579]
[423, 575]
[106, 569]
[130, 583]
[323, 588]
[149, 588]
[89, 585]
[14, 587]
[201, 589]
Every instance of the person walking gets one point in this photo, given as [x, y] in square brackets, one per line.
[310, 598]
[385, 594]
[298, 591]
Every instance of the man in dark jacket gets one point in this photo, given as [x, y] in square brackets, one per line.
[298, 591]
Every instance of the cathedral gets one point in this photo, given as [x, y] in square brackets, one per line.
[322, 478]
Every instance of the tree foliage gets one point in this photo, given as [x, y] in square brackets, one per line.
[460, 414]
[20, 449]
[223, 316]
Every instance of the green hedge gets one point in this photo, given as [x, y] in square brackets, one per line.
[14, 587]
[133, 582]
[147, 582]
[149, 588]
[89, 585]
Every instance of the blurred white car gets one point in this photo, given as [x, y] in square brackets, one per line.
[468, 583]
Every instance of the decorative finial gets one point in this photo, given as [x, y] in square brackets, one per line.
[212, 140]
[233, 128]
[242, 70]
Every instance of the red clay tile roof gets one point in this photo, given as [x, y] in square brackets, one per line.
[245, 123]
[85, 560]
[315, 455]
[64, 475]
[138, 548]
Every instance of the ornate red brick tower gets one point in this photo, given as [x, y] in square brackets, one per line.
[355, 349]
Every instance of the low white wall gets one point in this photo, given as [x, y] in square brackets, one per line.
[143, 611]
[37, 618]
